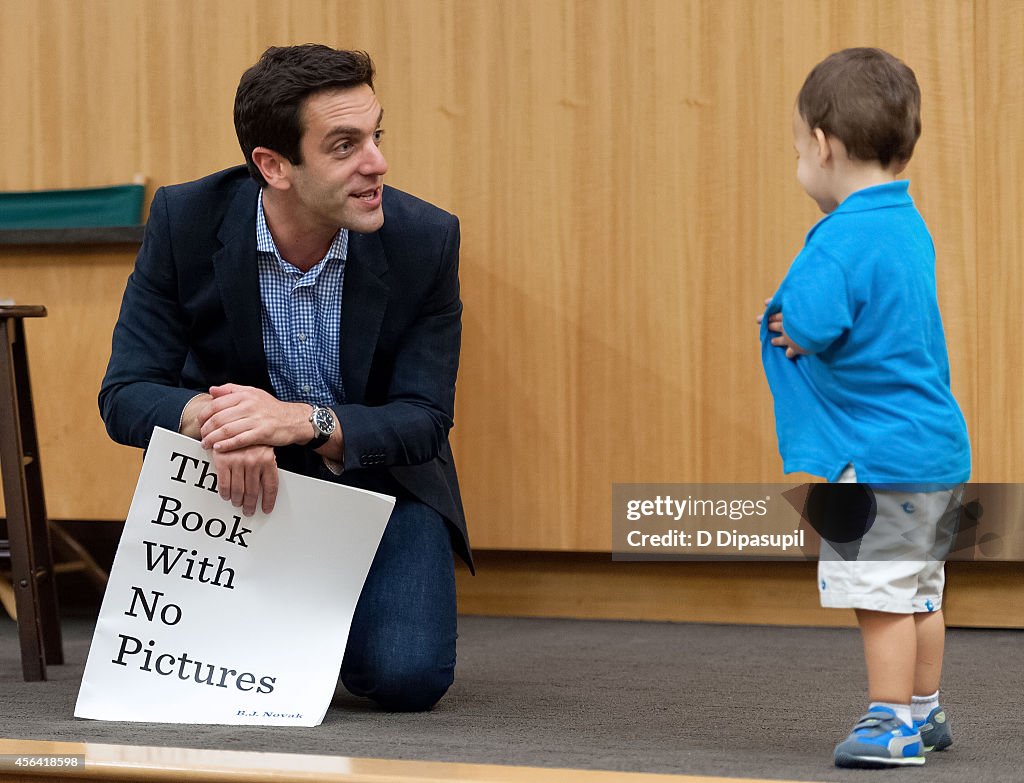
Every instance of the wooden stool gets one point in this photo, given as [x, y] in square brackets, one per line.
[32, 572]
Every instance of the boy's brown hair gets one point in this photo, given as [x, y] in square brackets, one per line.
[867, 99]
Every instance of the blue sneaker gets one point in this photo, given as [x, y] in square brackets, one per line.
[934, 730]
[880, 739]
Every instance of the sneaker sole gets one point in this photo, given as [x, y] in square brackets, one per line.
[938, 747]
[849, 760]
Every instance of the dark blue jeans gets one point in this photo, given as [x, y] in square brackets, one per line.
[401, 650]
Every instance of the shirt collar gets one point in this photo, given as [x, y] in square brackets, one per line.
[889, 194]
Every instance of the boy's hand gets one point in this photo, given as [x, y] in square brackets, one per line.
[772, 319]
[783, 340]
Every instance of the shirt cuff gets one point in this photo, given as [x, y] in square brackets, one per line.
[181, 418]
[337, 468]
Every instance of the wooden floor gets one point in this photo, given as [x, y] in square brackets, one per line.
[147, 764]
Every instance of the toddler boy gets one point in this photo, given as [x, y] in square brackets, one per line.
[855, 355]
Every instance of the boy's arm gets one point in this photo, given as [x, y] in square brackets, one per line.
[818, 303]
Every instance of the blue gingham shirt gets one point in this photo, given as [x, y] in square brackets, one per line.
[301, 319]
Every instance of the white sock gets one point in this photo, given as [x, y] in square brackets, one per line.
[902, 710]
[921, 706]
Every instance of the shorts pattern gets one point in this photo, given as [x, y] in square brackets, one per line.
[898, 565]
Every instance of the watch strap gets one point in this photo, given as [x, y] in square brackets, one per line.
[321, 437]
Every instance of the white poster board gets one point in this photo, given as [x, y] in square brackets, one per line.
[214, 617]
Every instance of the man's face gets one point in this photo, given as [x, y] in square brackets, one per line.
[338, 183]
[810, 172]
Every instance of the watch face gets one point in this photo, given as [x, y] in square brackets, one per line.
[323, 421]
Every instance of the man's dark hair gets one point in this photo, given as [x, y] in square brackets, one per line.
[867, 99]
[271, 95]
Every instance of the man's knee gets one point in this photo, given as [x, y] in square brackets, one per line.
[403, 687]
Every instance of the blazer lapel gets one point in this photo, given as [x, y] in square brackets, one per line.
[364, 298]
[238, 280]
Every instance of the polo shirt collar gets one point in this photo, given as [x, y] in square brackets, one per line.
[889, 194]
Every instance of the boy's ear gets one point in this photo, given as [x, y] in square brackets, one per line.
[273, 166]
[824, 146]
[897, 166]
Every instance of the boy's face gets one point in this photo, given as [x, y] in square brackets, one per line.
[811, 170]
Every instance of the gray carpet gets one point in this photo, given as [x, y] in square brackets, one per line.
[733, 701]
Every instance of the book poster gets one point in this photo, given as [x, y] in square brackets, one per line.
[213, 617]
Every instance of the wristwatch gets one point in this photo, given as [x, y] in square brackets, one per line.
[323, 426]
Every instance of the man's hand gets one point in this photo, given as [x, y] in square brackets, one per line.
[246, 475]
[241, 425]
[783, 340]
[238, 417]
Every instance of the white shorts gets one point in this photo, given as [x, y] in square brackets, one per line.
[898, 565]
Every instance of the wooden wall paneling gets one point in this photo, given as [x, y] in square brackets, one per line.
[589, 585]
[17, 122]
[940, 46]
[194, 54]
[85, 474]
[676, 232]
[999, 64]
[592, 344]
[71, 126]
[520, 265]
[624, 176]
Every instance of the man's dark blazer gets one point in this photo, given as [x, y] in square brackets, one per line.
[190, 319]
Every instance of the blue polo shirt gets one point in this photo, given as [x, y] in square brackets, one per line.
[874, 392]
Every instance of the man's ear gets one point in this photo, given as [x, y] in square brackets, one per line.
[275, 168]
[825, 151]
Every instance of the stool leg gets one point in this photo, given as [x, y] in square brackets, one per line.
[42, 550]
[33, 662]
[31, 560]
